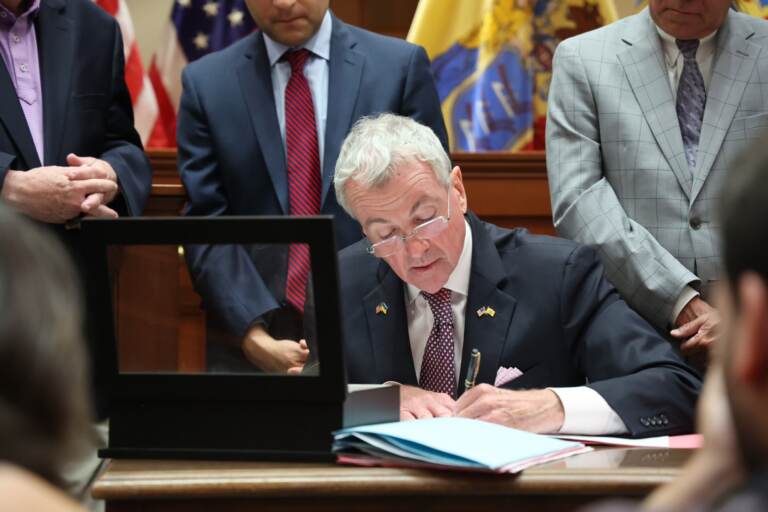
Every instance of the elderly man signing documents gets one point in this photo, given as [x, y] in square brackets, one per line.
[560, 350]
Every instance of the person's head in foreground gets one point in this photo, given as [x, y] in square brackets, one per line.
[731, 471]
[44, 406]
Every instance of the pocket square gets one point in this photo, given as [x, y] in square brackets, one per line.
[505, 375]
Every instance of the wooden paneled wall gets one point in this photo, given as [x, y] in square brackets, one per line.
[509, 189]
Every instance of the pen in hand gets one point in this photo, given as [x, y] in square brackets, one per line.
[472, 369]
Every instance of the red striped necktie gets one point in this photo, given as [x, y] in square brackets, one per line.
[303, 169]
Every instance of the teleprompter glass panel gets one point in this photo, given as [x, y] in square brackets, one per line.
[214, 308]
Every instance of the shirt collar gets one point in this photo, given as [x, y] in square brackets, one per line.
[672, 52]
[10, 17]
[458, 281]
[319, 44]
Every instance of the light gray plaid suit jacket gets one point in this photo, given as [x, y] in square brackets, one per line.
[617, 170]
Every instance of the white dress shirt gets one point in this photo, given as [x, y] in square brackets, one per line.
[316, 72]
[673, 58]
[586, 412]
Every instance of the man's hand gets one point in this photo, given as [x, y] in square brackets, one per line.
[537, 410]
[697, 324]
[417, 403]
[271, 355]
[49, 195]
[89, 168]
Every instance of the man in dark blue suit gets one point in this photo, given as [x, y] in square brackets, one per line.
[235, 135]
[560, 351]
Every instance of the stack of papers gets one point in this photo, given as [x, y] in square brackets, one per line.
[449, 443]
[689, 441]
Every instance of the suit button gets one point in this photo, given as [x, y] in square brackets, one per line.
[695, 223]
[644, 422]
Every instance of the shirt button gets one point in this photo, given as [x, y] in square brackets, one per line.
[16, 38]
[695, 223]
[3, 14]
[23, 68]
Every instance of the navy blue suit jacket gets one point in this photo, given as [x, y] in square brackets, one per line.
[86, 110]
[558, 320]
[232, 158]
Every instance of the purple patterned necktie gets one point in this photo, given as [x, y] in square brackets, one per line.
[437, 367]
[691, 98]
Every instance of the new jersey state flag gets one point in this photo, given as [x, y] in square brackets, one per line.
[492, 62]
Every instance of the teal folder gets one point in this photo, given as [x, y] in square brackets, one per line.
[449, 443]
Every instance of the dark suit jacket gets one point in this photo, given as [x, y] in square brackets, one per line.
[232, 158]
[557, 319]
[86, 110]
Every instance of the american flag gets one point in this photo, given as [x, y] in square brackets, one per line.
[145, 107]
[196, 28]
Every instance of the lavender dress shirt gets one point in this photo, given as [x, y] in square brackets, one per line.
[18, 46]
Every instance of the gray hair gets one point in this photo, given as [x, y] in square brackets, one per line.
[378, 145]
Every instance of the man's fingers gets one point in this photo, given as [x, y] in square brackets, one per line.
[303, 344]
[471, 395]
[91, 202]
[73, 159]
[438, 410]
[700, 341]
[94, 186]
[86, 172]
[406, 415]
[102, 211]
[689, 329]
[295, 370]
[423, 414]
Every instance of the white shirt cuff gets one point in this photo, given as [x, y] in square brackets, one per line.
[587, 413]
[685, 297]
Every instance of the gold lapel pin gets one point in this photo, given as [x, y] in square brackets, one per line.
[382, 308]
[486, 311]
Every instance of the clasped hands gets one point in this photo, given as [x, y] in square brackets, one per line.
[56, 194]
[535, 410]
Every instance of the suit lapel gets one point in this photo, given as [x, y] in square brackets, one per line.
[56, 38]
[644, 67]
[255, 78]
[389, 332]
[346, 67]
[486, 333]
[734, 61]
[15, 123]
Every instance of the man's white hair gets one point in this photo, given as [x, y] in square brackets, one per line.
[378, 145]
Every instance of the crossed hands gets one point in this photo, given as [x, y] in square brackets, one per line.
[535, 410]
[274, 355]
[56, 194]
[697, 326]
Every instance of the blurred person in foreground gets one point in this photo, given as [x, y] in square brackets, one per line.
[45, 409]
[730, 473]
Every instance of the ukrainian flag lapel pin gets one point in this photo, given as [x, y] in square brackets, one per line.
[486, 311]
[382, 309]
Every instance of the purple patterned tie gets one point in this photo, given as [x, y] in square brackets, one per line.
[691, 98]
[437, 367]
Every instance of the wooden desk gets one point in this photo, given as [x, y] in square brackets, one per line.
[176, 486]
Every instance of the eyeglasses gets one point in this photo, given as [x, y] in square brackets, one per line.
[425, 231]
